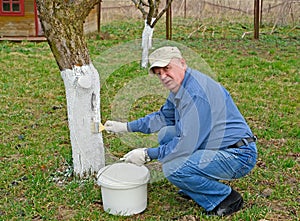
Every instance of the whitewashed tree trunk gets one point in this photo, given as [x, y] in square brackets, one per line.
[62, 23]
[83, 101]
[150, 13]
[146, 42]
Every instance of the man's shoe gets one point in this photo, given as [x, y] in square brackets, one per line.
[232, 203]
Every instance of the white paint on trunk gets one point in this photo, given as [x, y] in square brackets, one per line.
[146, 43]
[82, 86]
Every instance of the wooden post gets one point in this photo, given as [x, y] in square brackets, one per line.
[256, 19]
[170, 9]
[99, 17]
[261, 12]
[184, 8]
[169, 22]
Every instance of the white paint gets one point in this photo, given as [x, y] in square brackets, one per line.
[85, 81]
[146, 42]
[87, 147]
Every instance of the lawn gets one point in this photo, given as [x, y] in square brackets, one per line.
[37, 182]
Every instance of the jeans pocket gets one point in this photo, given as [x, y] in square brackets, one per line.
[249, 160]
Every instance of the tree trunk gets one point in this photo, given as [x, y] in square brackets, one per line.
[151, 17]
[62, 22]
[146, 43]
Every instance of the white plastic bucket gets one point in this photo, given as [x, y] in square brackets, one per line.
[124, 188]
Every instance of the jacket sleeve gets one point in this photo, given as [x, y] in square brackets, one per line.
[154, 121]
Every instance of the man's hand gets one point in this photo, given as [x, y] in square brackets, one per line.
[115, 127]
[136, 156]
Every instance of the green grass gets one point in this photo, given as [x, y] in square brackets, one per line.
[35, 154]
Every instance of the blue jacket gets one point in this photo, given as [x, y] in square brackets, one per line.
[204, 115]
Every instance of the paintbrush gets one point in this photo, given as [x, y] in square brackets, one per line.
[97, 127]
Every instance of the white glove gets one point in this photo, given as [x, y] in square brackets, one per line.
[136, 156]
[115, 126]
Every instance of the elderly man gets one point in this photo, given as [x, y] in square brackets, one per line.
[203, 138]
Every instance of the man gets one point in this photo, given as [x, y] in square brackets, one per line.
[202, 135]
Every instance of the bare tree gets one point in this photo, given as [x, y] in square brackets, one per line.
[62, 22]
[151, 14]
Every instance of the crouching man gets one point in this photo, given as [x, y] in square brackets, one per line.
[203, 137]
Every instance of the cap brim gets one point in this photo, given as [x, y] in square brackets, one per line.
[160, 63]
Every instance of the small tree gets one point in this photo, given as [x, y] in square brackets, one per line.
[62, 22]
[151, 15]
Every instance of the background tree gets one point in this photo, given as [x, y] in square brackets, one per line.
[151, 15]
[62, 22]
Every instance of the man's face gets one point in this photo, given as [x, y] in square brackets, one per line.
[171, 75]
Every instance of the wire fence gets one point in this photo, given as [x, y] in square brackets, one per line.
[279, 12]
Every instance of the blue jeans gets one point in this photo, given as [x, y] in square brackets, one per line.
[199, 176]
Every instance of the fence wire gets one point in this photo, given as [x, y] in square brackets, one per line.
[279, 12]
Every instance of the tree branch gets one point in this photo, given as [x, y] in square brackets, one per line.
[151, 12]
[140, 7]
[83, 7]
[161, 13]
[143, 3]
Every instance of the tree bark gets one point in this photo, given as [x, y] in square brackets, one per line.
[62, 22]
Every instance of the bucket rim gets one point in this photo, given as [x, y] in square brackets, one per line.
[114, 183]
[120, 187]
